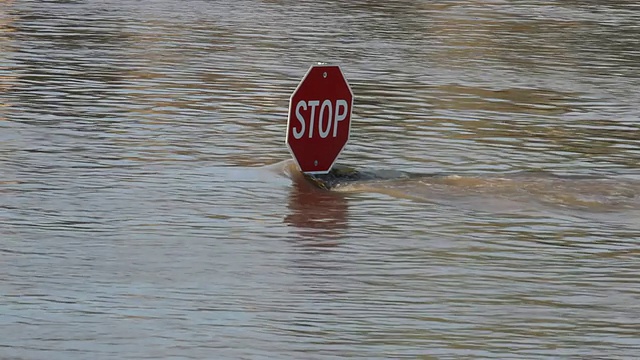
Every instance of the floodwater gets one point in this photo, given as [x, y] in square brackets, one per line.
[149, 207]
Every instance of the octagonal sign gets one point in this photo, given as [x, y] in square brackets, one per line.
[319, 119]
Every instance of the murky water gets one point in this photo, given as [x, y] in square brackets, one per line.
[148, 208]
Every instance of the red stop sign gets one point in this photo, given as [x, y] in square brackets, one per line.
[319, 119]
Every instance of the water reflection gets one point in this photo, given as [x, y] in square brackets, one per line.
[320, 217]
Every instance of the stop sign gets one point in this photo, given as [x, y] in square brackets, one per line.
[319, 119]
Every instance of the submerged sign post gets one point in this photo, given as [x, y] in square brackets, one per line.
[319, 119]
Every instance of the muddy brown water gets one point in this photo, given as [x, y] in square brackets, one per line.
[149, 208]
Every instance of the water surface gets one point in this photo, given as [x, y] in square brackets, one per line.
[148, 208]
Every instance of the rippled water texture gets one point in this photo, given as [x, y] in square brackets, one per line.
[149, 209]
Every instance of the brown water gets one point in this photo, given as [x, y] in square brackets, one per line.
[148, 208]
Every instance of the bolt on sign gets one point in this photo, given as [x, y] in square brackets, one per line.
[319, 121]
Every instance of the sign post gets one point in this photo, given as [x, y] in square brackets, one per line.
[319, 120]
